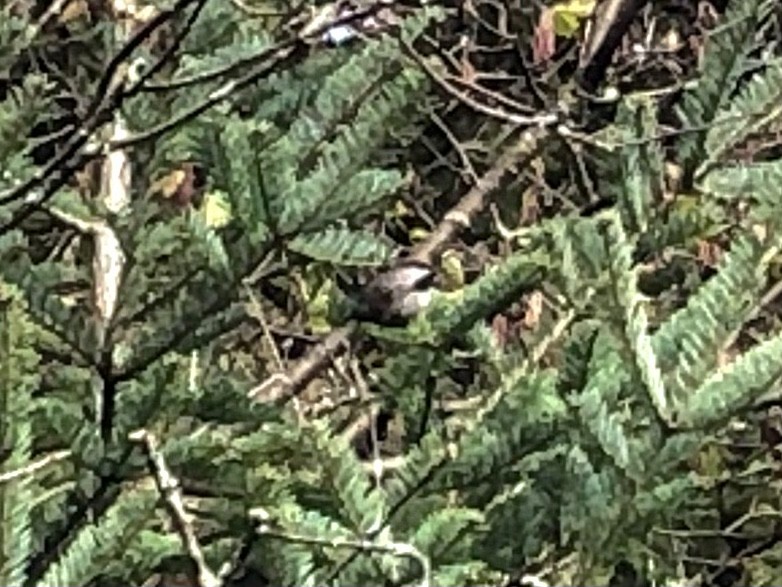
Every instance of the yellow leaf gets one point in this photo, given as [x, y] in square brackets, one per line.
[686, 203]
[569, 15]
[318, 308]
[217, 210]
[399, 210]
[73, 10]
[418, 234]
[168, 185]
[452, 270]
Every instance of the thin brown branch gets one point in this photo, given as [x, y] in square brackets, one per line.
[262, 55]
[545, 119]
[273, 57]
[214, 98]
[461, 216]
[55, 9]
[610, 24]
[283, 387]
[106, 99]
[460, 150]
[110, 96]
[496, 96]
[161, 61]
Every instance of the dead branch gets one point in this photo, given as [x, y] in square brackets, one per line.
[112, 91]
[34, 466]
[283, 387]
[169, 489]
[105, 100]
[461, 216]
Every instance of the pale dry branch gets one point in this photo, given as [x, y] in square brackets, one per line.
[456, 220]
[399, 549]
[104, 101]
[34, 467]
[169, 488]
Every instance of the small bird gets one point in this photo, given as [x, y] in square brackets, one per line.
[395, 296]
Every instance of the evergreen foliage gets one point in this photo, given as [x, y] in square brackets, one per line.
[571, 447]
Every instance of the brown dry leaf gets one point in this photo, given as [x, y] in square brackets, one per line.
[168, 185]
[501, 329]
[709, 253]
[544, 43]
[534, 310]
[468, 73]
[74, 10]
[179, 186]
[530, 206]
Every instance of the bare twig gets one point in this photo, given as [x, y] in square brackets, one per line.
[161, 61]
[279, 376]
[263, 55]
[258, 314]
[110, 94]
[610, 24]
[169, 488]
[372, 413]
[272, 58]
[462, 215]
[105, 100]
[34, 467]
[399, 549]
[469, 169]
[55, 9]
[281, 388]
[214, 98]
[607, 15]
[545, 119]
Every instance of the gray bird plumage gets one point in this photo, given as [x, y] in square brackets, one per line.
[396, 295]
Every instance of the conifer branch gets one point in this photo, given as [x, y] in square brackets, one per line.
[105, 101]
[283, 387]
